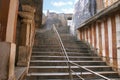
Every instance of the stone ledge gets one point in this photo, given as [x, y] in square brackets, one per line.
[105, 12]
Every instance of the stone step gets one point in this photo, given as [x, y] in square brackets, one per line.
[73, 39]
[77, 79]
[48, 43]
[74, 43]
[46, 50]
[64, 63]
[42, 69]
[58, 46]
[46, 46]
[63, 58]
[38, 76]
[46, 39]
[48, 61]
[60, 53]
[65, 44]
[67, 49]
[52, 79]
[59, 50]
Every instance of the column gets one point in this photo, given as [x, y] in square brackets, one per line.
[26, 35]
[8, 18]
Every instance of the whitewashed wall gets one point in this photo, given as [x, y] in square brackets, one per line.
[110, 39]
[97, 36]
[118, 37]
[103, 39]
[110, 26]
[93, 36]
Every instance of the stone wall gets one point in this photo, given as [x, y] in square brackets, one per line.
[44, 19]
[59, 20]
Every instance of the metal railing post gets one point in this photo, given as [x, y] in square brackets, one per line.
[70, 71]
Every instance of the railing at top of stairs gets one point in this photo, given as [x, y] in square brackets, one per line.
[69, 63]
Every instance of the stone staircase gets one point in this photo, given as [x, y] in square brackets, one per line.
[48, 62]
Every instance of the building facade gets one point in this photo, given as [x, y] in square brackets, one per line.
[102, 33]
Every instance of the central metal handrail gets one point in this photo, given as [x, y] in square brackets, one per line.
[70, 62]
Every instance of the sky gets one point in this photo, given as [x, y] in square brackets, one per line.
[59, 6]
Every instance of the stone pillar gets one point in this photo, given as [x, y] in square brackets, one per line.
[8, 19]
[26, 35]
[24, 46]
[7, 60]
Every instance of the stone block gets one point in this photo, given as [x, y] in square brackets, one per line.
[25, 34]
[27, 15]
[28, 8]
[23, 56]
[7, 60]
[27, 21]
